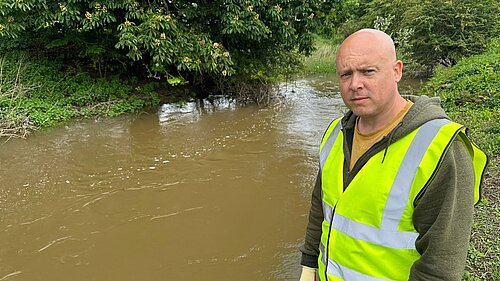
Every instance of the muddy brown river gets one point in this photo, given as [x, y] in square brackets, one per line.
[203, 191]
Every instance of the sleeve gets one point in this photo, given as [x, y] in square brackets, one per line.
[310, 249]
[443, 218]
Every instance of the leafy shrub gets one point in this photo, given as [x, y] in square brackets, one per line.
[442, 32]
[199, 40]
[470, 93]
[448, 31]
[37, 94]
[473, 82]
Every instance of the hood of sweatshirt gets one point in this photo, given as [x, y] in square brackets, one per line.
[424, 109]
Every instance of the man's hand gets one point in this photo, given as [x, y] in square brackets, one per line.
[308, 274]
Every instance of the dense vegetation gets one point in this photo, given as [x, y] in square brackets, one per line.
[427, 32]
[83, 58]
[470, 93]
[196, 42]
[36, 94]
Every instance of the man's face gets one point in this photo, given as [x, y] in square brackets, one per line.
[368, 77]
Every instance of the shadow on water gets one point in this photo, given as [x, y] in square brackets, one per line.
[203, 191]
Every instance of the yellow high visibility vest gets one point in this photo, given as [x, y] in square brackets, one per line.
[367, 231]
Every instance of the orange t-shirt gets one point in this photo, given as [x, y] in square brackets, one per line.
[361, 143]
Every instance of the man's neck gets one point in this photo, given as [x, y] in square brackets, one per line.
[370, 124]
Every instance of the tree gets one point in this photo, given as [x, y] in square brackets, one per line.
[193, 39]
[440, 32]
[447, 31]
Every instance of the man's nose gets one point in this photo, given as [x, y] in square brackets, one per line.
[356, 81]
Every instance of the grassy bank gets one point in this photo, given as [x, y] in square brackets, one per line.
[37, 94]
[321, 61]
[470, 93]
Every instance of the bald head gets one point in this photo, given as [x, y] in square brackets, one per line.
[368, 77]
[369, 41]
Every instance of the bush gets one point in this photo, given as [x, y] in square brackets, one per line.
[474, 82]
[438, 32]
[470, 93]
[448, 31]
[196, 40]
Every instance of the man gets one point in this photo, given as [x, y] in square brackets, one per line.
[397, 182]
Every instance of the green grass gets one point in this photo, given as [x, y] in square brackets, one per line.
[322, 60]
[470, 93]
[483, 260]
[40, 93]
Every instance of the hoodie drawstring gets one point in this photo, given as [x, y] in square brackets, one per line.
[390, 140]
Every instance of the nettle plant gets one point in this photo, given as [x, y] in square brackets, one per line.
[214, 38]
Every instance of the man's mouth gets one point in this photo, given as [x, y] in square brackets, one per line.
[358, 98]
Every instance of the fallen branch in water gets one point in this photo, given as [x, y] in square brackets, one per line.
[15, 128]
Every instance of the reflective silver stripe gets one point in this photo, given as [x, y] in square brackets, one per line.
[364, 232]
[335, 269]
[324, 153]
[322, 250]
[400, 189]
[345, 273]
[324, 258]
[327, 147]
[327, 210]
[387, 235]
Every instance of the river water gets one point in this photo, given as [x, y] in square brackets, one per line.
[203, 191]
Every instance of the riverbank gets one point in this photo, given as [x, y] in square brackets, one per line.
[470, 94]
[40, 93]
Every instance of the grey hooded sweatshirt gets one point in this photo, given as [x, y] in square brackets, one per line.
[443, 211]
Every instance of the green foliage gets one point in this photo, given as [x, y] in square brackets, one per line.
[322, 60]
[473, 82]
[433, 31]
[470, 93]
[483, 259]
[339, 16]
[470, 277]
[38, 94]
[483, 124]
[447, 31]
[344, 18]
[174, 81]
[195, 40]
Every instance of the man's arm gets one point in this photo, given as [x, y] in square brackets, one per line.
[310, 249]
[443, 218]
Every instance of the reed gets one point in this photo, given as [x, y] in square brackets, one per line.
[13, 122]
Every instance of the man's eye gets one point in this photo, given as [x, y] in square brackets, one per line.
[345, 75]
[369, 71]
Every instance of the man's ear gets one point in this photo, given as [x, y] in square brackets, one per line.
[398, 70]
